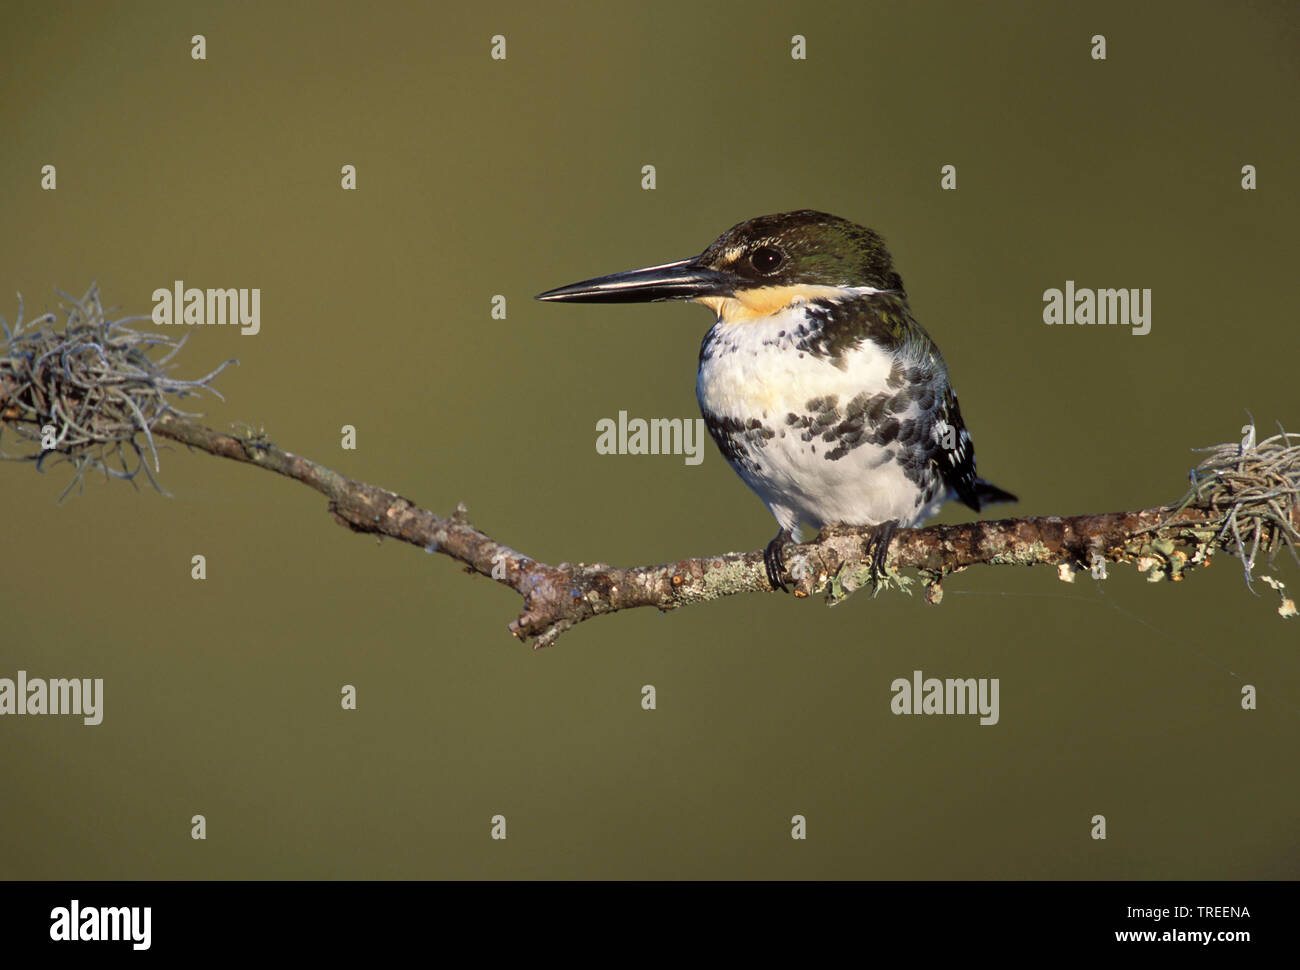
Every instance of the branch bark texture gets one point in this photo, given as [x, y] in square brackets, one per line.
[1164, 542]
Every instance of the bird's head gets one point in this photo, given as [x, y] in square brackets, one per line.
[756, 268]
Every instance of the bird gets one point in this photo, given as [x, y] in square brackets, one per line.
[816, 381]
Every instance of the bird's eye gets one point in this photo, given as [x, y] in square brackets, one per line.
[765, 259]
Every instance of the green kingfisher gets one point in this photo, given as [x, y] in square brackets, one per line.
[817, 383]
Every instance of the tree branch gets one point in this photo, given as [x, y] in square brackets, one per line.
[1163, 542]
[89, 394]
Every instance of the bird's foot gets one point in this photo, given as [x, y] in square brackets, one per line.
[774, 559]
[877, 549]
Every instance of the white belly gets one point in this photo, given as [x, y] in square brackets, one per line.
[765, 378]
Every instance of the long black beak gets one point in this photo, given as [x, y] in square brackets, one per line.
[685, 279]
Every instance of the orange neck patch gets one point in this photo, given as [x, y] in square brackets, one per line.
[753, 304]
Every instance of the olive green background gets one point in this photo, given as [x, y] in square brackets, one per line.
[481, 177]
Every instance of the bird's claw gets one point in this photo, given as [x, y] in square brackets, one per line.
[877, 549]
[774, 560]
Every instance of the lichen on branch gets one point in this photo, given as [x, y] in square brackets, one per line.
[89, 393]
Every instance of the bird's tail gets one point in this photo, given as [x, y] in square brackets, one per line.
[988, 494]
